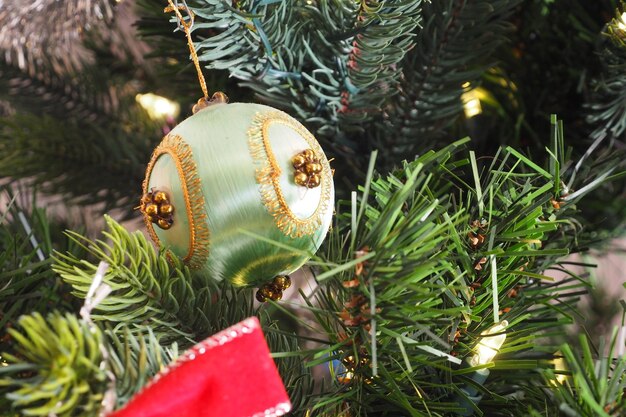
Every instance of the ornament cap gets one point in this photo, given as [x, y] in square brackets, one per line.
[217, 98]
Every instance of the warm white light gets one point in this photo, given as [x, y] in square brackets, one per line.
[621, 22]
[158, 107]
[559, 366]
[471, 101]
[490, 343]
[472, 107]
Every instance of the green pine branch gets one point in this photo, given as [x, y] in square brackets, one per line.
[42, 91]
[134, 358]
[78, 131]
[427, 259]
[608, 103]
[158, 309]
[96, 92]
[454, 49]
[150, 291]
[55, 369]
[333, 64]
[342, 65]
[83, 162]
[28, 236]
[588, 381]
[407, 286]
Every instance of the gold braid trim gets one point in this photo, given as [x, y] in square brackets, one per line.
[199, 236]
[268, 174]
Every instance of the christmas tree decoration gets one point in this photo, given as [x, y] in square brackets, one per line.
[273, 290]
[157, 208]
[245, 191]
[460, 193]
[621, 22]
[471, 101]
[560, 369]
[487, 348]
[490, 343]
[158, 107]
[229, 200]
[229, 374]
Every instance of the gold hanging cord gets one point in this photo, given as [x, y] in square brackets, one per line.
[186, 26]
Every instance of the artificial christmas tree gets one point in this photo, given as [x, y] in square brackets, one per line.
[434, 291]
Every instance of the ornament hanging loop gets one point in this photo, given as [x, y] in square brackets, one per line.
[181, 22]
[186, 26]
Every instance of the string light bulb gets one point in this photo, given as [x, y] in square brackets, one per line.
[559, 368]
[621, 22]
[471, 101]
[490, 343]
[158, 107]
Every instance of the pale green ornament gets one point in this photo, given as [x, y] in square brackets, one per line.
[228, 175]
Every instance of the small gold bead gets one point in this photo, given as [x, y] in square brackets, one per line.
[152, 209]
[276, 294]
[166, 209]
[261, 295]
[201, 104]
[164, 224]
[146, 198]
[219, 97]
[301, 178]
[298, 160]
[345, 378]
[282, 281]
[309, 154]
[313, 168]
[268, 292]
[314, 181]
[160, 197]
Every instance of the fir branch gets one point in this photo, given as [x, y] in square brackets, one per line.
[296, 376]
[64, 355]
[454, 47]
[608, 103]
[152, 291]
[83, 86]
[51, 94]
[332, 63]
[81, 161]
[46, 31]
[436, 255]
[552, 67]
[588, 383]
[345, 58]
[148, 291]
[135, 357]
[27, 284]
[55, 370]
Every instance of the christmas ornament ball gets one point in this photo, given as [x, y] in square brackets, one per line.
[243, 191]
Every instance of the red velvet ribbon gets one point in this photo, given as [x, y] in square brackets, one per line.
[230, 374]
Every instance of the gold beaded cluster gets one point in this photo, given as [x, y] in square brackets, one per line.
[308, 169]
[156, 206]
[355, 368]
[274, 290]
